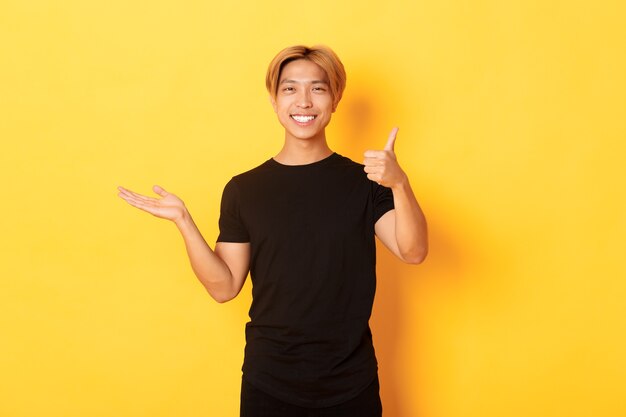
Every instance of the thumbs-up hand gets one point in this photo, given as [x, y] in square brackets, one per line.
[382, 166]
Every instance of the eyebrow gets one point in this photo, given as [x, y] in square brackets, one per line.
[300, 82]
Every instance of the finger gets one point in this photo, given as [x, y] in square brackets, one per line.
[373, 162]
[372, 170]
[136, 195]
[374, 154]
[142, 201]
[391, 141]
[141, 205]
[160, 191]
[374, 177]
[132, 200]
[124, 191]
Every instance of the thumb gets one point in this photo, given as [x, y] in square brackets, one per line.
[160, 191]
[391, 141]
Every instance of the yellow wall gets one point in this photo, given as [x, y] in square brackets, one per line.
[512, 118]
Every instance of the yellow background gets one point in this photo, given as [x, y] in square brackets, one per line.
[512, 120]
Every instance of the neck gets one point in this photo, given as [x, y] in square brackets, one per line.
[303, 151]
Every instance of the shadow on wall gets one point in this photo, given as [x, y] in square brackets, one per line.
[398, 284]
[393, 324]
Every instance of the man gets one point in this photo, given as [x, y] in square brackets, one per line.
[303, 224]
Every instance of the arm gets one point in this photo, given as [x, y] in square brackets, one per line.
[223, 271]
[402, 230]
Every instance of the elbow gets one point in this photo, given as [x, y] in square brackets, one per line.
[221, 289]
[221, 299]
[416, 256]
[221, 296]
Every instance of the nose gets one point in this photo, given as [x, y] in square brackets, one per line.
[304, 99]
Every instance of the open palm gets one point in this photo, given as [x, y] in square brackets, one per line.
[168, 207]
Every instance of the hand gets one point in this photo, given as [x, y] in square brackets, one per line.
[168, 207]
[382, 166]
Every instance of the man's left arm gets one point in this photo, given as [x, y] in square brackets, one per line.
[402, 230]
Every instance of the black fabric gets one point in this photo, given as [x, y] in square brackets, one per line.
[313, 256]
[256, 403]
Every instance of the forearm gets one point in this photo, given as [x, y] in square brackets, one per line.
[210, 269]
[410, 224]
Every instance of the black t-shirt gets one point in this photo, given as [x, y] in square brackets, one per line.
[313, 257]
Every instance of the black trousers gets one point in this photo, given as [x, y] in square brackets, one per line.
[256, 403]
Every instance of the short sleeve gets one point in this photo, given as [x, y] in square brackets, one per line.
[232, 228]
[383, 200]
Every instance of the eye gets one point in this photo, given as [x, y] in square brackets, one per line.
[288, 89]
[319, 89]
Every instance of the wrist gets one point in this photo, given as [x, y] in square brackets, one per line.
[402, 185]
[184, 219]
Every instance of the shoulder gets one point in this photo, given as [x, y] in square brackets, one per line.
[344, 161]
[346, 165]
[251, 175]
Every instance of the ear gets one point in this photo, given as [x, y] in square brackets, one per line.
[273, 103]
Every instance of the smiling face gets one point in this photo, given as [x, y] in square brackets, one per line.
[303, 102]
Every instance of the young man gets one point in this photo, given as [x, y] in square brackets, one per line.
[303, 224]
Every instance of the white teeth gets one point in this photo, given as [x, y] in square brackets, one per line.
[302, 119]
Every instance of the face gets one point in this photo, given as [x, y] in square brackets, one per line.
[303, 101]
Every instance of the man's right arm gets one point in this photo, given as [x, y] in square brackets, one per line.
[223, 271]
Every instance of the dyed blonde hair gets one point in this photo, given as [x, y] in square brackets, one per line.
[318, 54]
